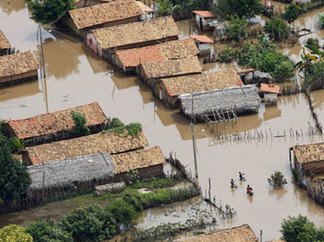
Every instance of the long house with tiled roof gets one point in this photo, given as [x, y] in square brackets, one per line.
[111, 13]
[106, 41]
[128, 60]
[172, 88]
[17, 68]
[4, 44]
[55, 126]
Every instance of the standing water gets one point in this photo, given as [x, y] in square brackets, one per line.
[75, 76]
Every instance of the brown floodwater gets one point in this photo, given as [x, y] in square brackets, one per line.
[75, 76]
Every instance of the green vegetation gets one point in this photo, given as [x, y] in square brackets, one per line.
[300, 229]
[237, 8]
[119, 128]
[227, 55]
[156, 183]
[16, 145]
[321, 20]
[277, 179]
[14, 178]
[292, 12]
[236, 29]
[43, 231]
[14, 233]
[295, 176]
[80, 127]
[277, 29]
[181, 9]
[47, 11]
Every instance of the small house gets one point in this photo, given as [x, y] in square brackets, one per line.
[55, 126]
[82, 20]
[270, 92]
[204, 44]
[106, 41]
[128, 60]
[86, 145]
[18, 68]
[242, 233]
[149, 163]
[203, 18]
[153, 72]
[4, 44]
[172, 88]
[220, 105]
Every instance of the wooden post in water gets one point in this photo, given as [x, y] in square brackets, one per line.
[209, 188]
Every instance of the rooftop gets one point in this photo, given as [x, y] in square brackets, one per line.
[4, 43]
[16, 64]
[104, 13]
[86, 145]
[270, 88]
[204, 14]
[176, 49]
[144, 7]
[55, 122]
[137, 159]
[138, 32]
[241, 233]
[203, 82]
[202, 38]
[168, 68]
[63, 172]
[309, 153]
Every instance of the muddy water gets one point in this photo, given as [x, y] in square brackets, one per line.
[75, 77]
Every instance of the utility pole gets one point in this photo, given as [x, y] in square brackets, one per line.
[193, 140]
[43, 72]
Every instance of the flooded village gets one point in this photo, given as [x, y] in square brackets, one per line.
[131, 119]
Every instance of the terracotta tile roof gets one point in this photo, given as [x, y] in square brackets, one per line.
[55, 122]
[176, 49]
[270, 88]
[203, 82]
[241, 233]
[104, 13]
[202, 38]
[138, 32]
[19, 63]
[204, 14]
[4, 43]
[137, 159]
[245, 70]
[189, 65]
[309, 153]
[144, 7]
[86, 145]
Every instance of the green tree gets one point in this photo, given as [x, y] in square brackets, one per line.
[321, 21]
[236, 29]
[298, 229]
[292, 12]
[47, 11]
[89, 224]
[12, 233]
[80, 127]
[14, 178]
[44, 231]
[122, 211]
[277, 29]
[237, 8]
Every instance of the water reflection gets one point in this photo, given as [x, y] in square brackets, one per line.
[19, 91]
[8, 6]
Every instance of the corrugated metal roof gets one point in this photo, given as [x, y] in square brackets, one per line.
[189, 65]
[137, 159]
[15, 64]
[105, 13]
[59, 121]
[241, 233]
[203, 82]
[176, 49]
[204, 14]
[4, 43]
[138, 32]
[202, 38]
[309, 153]
[85, 145]
[270, 88]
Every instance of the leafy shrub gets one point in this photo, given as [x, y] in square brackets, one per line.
[115, 123]
[133, 129]
[132, 176]
[292, 12]
[294, 173]
[313, 45]
[119, 128]
[156, 183]
[277, 29]
[134, 200]
[237, 8]
[321, 21]
[227, 55]
[283, 71]
[122, 211]
[236, 29]
[43, 231]
[14, 233]
[80, 127]
[16, 145]
[277, 179]
[88, 224]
